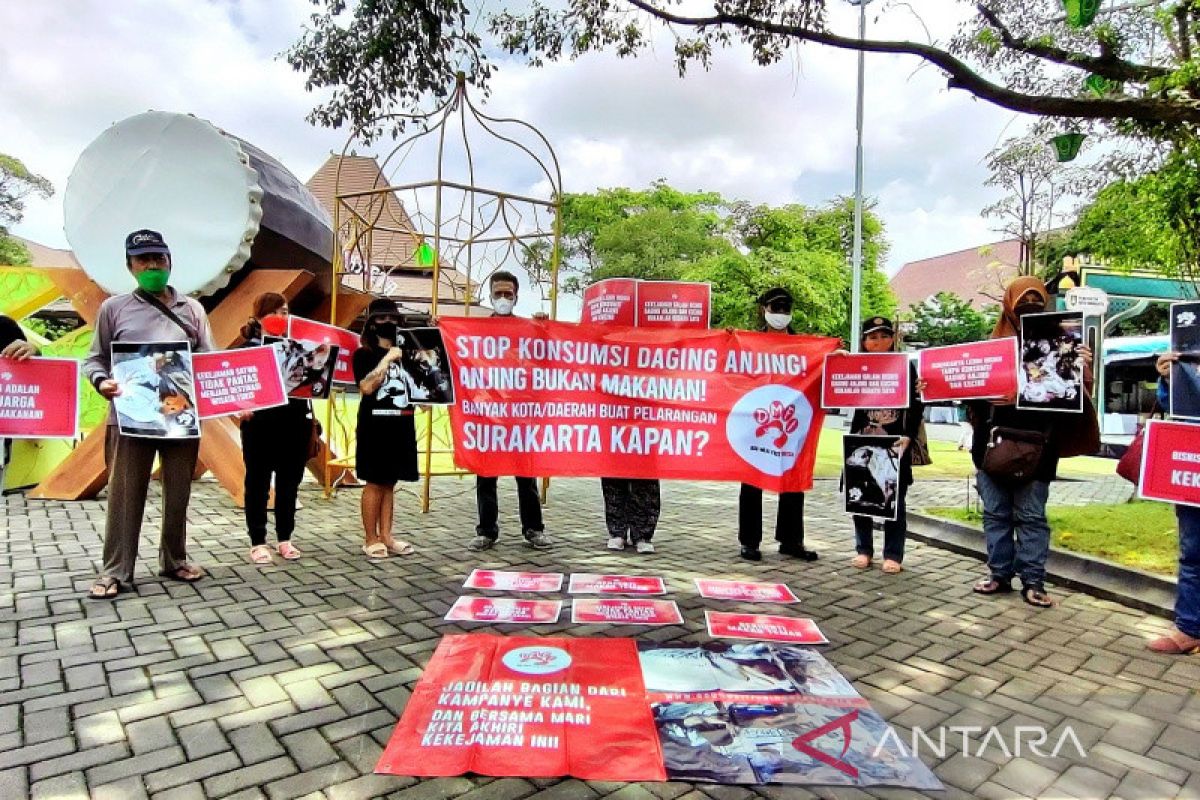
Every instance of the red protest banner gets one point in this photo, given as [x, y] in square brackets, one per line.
[528, 706]
[588, 583]
[865, 380]
[503, 609]
[673, 304]
[500, 580]
[229, 381]
[626, 612]
[555, 399]
[763, 627]
[716, 589]
[1171, 462]
[611, 302]
[347, 341]
[39, 398]
[972, 371]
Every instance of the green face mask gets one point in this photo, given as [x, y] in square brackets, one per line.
[153, 280]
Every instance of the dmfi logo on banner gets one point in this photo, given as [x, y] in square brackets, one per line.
[768, 426]
[537, 660]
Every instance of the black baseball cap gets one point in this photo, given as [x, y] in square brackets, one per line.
[770, 295]
[381, 306]
[872, 324]
[139, 243]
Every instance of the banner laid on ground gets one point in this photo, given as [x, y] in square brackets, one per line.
[971, 371]
[158, 395]
[1185, 372]
[587, 583]
[514, 581]
[230, 381]
[625, 611]
[39, 398]
[321, 333]
[556, 399]
[611, 302]
[613, 710]
[673, 304]
[1171, 462]
[717, 589]
[797, 630]
[503, 609]
[865, 380]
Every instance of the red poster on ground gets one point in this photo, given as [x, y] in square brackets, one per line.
[532, 707]
[229, 381]
[865, 380]
[39, 398]
[673, 304]
[503, 609]
[626, 611]
[716, 589]
[557, 399]
[322, 333]
[973, 371]
[763, 627]
[1171, 462]
[587, 583]
[514, 581]
[611, 302]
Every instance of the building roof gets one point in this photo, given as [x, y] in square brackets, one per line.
[978, 274]
[42, 256]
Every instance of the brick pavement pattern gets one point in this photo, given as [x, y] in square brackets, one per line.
[285, 681]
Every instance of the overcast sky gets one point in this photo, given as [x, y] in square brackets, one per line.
[775, 135]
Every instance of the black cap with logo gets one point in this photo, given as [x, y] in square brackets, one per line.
[771, 295]
[139, 243]
[872, 324]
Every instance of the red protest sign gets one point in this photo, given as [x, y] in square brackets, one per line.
[557, 399]
[503, 609]
[347, 342]
[673, 304]
[763, 627]
[500, 580]
[611, 302]
[716, 589]
[973, 371]
[1171, 462]
[626, 612]
[588, 583]
[39, 398]
[865, 380]
[229, 381]
[532, 707]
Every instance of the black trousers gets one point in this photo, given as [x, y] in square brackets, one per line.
[266, 453]
[789, 520]
[631, 507]
[528, 499]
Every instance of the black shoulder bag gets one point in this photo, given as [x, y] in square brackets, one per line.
[193, 336]
[1013, 454]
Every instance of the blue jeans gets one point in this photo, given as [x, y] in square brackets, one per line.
[1187, 598]
[1016, 529]
[894, 532]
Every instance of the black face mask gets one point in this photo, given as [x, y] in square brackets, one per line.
[386, 330]
[1028, 308]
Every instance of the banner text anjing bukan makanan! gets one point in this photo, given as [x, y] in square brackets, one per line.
[555, 399]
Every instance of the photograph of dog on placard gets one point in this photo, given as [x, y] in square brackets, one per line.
[871, 475]
[1051, 374]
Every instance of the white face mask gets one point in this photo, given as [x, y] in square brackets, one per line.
[503, 306]
[778, 322]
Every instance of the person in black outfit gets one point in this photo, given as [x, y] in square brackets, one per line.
[775, 316]
[387, 437]
[274, 442]
[12, 345]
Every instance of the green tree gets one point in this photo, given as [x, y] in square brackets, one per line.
[946, 319]
[16, 184]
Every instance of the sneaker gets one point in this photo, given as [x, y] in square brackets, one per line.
[616, 543]
[797, 552]
[751, 554]
[538, 540]
[645, 547]
[480, 543]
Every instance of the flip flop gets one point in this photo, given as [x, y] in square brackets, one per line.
[105, 583]
[179, 574]
[401, 548]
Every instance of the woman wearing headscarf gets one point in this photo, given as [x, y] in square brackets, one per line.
[1014, 508]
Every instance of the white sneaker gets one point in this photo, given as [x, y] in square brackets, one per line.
[616, 543]
[645, 547]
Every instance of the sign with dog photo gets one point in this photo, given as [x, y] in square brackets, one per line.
[158, 393]
[1051, 373]
[871, 475]
[307, 367]
[426, 367]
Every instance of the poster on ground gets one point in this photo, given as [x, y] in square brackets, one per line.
[1051, 374]
[866, 380]
[232, 381]
[347, 342]
[39, 398]
[749, 591]
[589, 583]
[673, 304]
[426, 367]
[871, 475]
[1171, 462]
[625, 611]
[1185, 372]
[307, 367]
[797, 630]
[611, 302]
[556, 399]
[505, 581]
[158, 393]
[504, 609]
[972, 371]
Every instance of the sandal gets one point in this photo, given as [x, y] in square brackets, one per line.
[891, 566]
[400, 548]
[109, 588]
[261, 554]
[1036, 596]
[861, 561]
[289, 550]
[1175, 643]
[990, 585]
[184, 573]
[376, 551]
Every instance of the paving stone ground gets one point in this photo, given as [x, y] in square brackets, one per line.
[286, 681]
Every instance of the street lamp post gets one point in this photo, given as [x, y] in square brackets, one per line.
[856, 263]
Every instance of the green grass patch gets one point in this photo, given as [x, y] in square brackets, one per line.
[1139, 534]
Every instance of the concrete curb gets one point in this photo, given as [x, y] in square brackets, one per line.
[1154, 594]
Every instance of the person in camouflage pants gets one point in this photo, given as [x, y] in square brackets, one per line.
[631, 508]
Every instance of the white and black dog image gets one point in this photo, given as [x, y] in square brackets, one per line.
[872, 475]
[307, 367]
